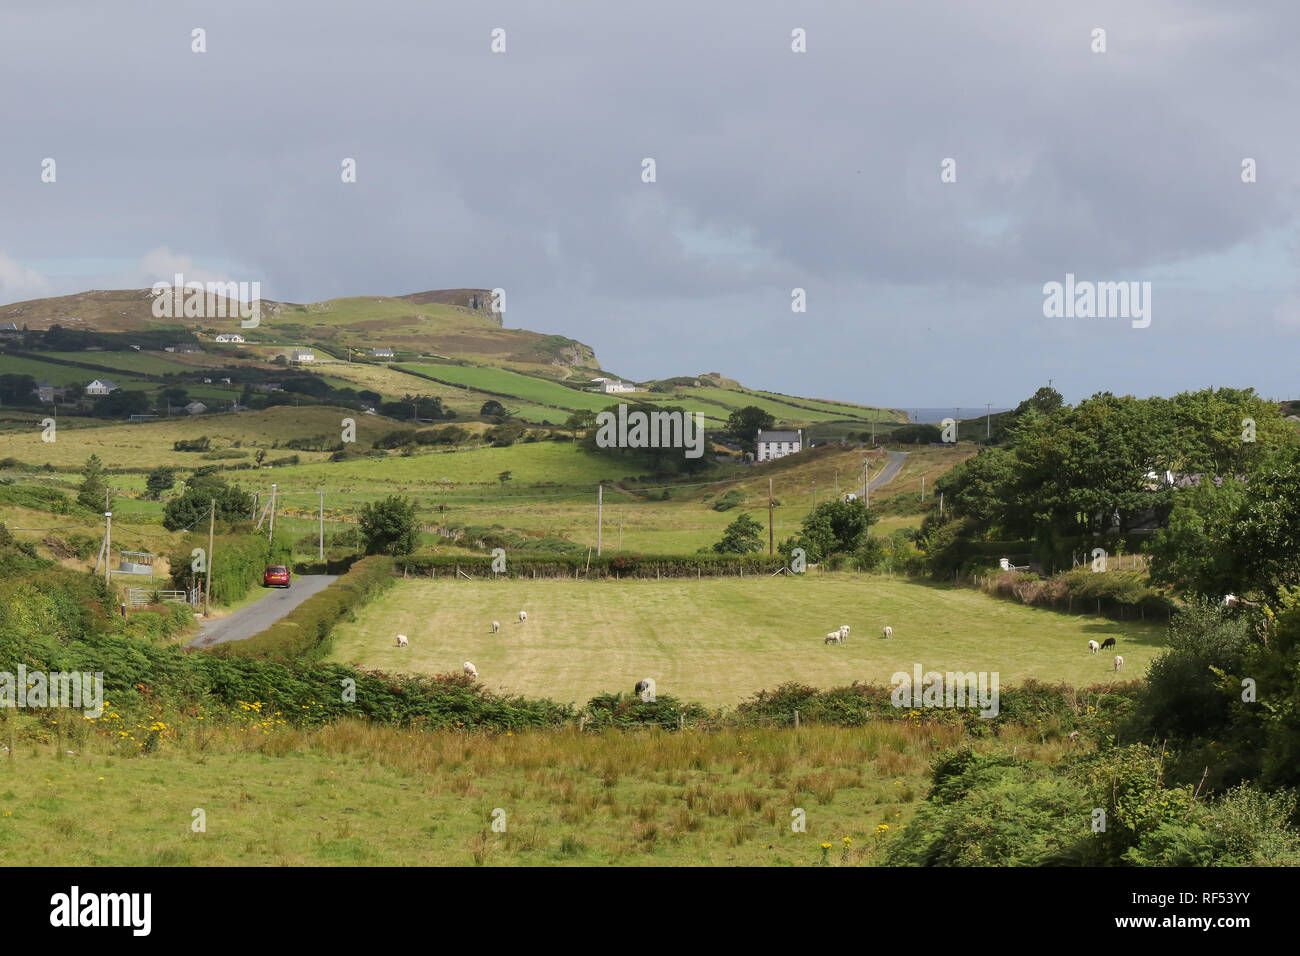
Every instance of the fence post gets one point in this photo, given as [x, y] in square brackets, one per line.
[796, 720]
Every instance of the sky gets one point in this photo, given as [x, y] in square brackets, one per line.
[774, 170]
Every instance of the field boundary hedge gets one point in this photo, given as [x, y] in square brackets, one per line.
[306, 632]
[613, 567]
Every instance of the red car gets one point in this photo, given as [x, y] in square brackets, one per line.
[276, 576]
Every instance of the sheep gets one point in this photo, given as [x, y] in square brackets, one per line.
[889, 631]
[844, 633]
[1119, 662]
[1093, 647]
[496, 627]
[523, 617]
[401, 641]
[645, 689]
[834, 637]
[470, 669]
[1108, 642]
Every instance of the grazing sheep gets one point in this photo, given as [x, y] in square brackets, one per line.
[1093, 647]
[834, 637]
[1119, 662]
[523, 616]
[470, 669]
[844, 633]
[496, 626]
[645, 689]
[401, 641]
[1108, 642]
[889, 631]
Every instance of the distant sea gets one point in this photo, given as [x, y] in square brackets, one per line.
[933, 416]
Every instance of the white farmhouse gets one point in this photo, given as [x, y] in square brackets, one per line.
[196, 408]
[778, 444]
[298, 356]
[230, 337]
[610, 385]
[100, 386]
[381, 353]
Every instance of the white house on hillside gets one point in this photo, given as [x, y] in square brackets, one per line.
[610, 385]
[778, 444]
[381, 353]
[100, 386]
[196, 408]
[230, 337]
[302, 355]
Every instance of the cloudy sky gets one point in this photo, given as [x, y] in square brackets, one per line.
[774, 170]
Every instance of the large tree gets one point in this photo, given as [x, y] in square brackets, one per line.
[389, 526]
[742, 536]
[744, 424]
[93, 487]
[191, 509]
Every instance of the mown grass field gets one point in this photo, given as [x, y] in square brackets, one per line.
[360, 795]
[718, 641]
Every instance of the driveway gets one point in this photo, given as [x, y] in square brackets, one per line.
[886, 474]
[262, 613]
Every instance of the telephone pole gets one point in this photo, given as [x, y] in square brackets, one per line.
[988, 419]
[271, 534]
[600, 505]
[207, 584]
[108, 546]
[770, 548]
[322, 524]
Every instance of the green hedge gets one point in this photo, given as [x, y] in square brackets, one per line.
[305, 632]
[239, 561]
[522, 565]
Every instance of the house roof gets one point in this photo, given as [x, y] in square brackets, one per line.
[102, 381]
[778, 435]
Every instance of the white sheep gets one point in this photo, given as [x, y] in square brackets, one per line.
[496, 626]
[889, 631]
[470, 669]
[1093, 647]
[834, 637]
[844, 633]
[401, 641]
[523, 616]
[1119, 662]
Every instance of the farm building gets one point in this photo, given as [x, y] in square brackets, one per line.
[778, 444]
[381, 353]
[47, 393]
[230, 337]
[196, 408]
[8, 328]
[611, 385]
[299, 356]
[100, 386]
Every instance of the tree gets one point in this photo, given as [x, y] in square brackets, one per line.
[493, 411]
[389, 526]
[503, 477]
[90, 493]
[836, 527]
[120, 404]
[205, 486]
[580, 421]
[17, 390]
[744, 424]
[742, 536]
[160, 479]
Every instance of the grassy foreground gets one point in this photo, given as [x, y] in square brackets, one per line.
[356, 794]
[717, 641]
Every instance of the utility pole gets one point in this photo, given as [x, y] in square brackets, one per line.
[600, 505]
[923, 487]
[941, 504]
[866, 482]
[256, 495]
[322, 524]
[207, 584]
[108, 545]
[837, 482]
[988, 419]
[271, 535]
[770, 548]
[814, 492]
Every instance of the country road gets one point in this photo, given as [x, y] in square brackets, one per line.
[886, 474]
[262, 613]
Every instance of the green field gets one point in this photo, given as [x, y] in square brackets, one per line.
[718, 641]
[363, 795]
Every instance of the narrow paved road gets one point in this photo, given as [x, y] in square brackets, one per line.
[262, 613]
[886, 474]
